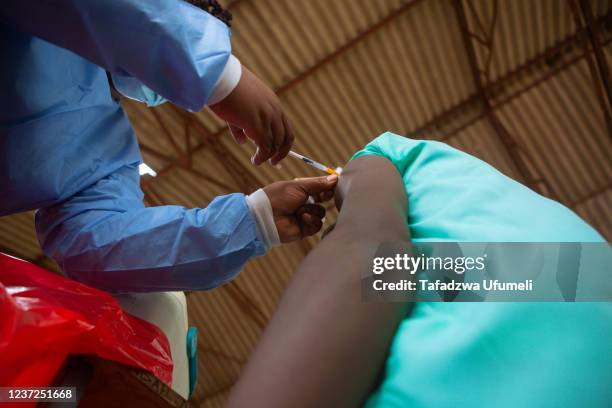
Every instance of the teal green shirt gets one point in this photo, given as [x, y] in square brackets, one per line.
[490, 354]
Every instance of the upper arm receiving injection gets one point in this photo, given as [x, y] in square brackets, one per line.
[371, 198]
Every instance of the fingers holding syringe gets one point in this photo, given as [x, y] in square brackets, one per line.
[273, 141]
[265, 147]
[325, 196]
[321, 197]
[321, 188]
[310, 218]
[288, 138]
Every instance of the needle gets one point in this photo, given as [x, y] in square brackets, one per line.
[313, 163]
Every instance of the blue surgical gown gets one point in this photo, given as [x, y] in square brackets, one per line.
[67, 149]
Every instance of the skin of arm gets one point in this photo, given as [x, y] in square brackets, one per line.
[324, 346]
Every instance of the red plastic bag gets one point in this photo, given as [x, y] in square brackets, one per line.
[45, 317]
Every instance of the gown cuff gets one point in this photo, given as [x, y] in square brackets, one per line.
[230, 76]
[261, 210]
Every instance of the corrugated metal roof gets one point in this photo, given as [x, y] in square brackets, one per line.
[347, 71]
[522, 30]
[561, 123]
[596, 211]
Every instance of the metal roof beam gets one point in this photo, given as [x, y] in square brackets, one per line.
[573, 6]
[593, 32]
[552, 73]
[502, 133]
[591, 195]
[473, 99]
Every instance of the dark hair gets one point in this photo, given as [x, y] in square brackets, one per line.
[212, 7]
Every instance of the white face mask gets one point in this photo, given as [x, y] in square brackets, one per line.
[134, 89]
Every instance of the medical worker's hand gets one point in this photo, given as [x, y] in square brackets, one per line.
[253, 111]
[294, 217]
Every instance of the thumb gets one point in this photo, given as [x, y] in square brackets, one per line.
[315, 185]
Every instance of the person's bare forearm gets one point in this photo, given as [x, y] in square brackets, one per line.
[323, 346]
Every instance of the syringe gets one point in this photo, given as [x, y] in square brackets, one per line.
[314, 164]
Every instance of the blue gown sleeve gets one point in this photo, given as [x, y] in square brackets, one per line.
[172, 47]
[104, 237]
